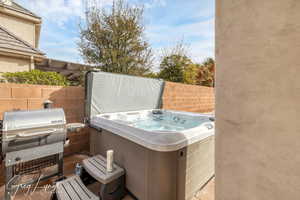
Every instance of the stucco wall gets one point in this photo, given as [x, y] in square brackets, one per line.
[22, 28]
[257, 100]
[10, 64]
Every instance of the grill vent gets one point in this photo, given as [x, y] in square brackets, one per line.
[34, 165]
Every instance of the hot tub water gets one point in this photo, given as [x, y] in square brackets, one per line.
[165, 122]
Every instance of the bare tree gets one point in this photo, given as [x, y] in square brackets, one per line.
[176, 65]
[113, 39]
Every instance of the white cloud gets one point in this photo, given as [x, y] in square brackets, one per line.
[60, 46]
[202, 50]
[167, 25]
[60, 11]
[155, 3]
[198, 37]
[159, 33]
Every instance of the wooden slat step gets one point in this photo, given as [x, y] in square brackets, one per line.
[73, 189]
[96, 167]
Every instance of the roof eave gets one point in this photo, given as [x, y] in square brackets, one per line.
[21, 54]
[20, 14]
[26, 11]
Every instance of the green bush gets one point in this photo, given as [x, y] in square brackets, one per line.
[36, 77]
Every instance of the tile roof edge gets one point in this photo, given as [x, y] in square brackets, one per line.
[24, 42]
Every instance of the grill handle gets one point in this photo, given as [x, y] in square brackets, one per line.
[36, 134]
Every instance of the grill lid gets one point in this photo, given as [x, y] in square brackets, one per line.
[17, 120]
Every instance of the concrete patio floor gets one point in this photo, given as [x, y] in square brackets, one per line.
[206, 193]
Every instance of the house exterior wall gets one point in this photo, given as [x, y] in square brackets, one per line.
[13, 64]
[24, 29]
[257, 100]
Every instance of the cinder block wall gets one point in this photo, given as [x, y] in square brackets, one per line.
[257, 104]
[27, 97]
[191, 98]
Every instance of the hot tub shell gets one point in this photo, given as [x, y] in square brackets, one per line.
[159, 165]
[157, 171]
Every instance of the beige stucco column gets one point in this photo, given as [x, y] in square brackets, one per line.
[31, 63]
[258, 100]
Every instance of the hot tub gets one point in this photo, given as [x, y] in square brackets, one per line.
[167, 155]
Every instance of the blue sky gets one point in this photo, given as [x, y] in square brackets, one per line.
[166, 21]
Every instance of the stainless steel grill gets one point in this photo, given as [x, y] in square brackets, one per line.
[27, 129]
[31, 141]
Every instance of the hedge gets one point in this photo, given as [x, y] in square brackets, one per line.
[36, 77]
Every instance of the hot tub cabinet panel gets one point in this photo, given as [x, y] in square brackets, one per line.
[154, 175]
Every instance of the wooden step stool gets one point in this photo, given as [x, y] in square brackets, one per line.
[73, 189]
[112, 183]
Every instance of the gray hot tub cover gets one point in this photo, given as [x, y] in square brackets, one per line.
[108, 93]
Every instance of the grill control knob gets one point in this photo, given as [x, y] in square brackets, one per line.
[17, 159]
